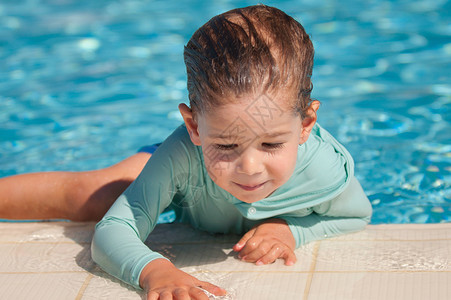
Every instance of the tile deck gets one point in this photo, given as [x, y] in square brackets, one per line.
[51, 260]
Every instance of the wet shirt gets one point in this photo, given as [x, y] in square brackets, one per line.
[322, 198]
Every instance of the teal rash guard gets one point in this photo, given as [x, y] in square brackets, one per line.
[321, 199]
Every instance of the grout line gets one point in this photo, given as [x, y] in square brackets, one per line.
[308, 283]
[84, 286]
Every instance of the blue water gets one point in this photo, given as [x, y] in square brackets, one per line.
[84, 84]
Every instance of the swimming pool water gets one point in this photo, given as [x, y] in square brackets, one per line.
[84, 84]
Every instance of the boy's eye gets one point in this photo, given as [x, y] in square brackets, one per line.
[226, 146]
[272, 145]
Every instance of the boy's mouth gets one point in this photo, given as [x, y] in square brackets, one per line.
[250, 188]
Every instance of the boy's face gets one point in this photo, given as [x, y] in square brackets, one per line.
[250, 147]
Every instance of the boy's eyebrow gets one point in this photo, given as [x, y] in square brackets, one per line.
[276, 134]
[221, 136]
[266, 135]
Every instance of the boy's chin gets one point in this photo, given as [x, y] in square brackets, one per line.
[251, 198]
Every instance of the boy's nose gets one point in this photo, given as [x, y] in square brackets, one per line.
[249, 163]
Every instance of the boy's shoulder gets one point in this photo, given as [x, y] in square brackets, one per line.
[322, 143]
[177, 146]
[323, 159]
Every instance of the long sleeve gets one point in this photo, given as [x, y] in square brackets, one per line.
[348, 212]
[118, 244]
[119, 250]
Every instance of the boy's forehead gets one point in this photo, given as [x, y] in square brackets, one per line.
[261, 117]
[274, 101]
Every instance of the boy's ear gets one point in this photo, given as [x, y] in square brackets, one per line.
[309, 121]
[190, 122]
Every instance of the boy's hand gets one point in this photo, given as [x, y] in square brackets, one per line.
[162, 280]
[267, 242]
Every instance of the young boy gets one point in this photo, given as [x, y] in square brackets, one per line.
[249, 158]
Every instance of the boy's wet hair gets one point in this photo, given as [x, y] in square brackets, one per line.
[249, 51]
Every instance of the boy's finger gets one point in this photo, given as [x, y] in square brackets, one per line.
[271, 256]
[242, 242]
[254, 250]
[184, 293]
[152, 295]
[290, 258]
[278, 252]
[165, 295]
[197, 294]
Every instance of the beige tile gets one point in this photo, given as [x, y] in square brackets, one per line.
[48, 261]
[44, 257]
[104, 286]
[18, 232]
[258, 286]
[381, 286]
[47, 232]
[41, 286]
[384, 256]
[402, 232]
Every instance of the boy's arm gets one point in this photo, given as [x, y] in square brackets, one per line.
[348, 212]
[118, 243]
